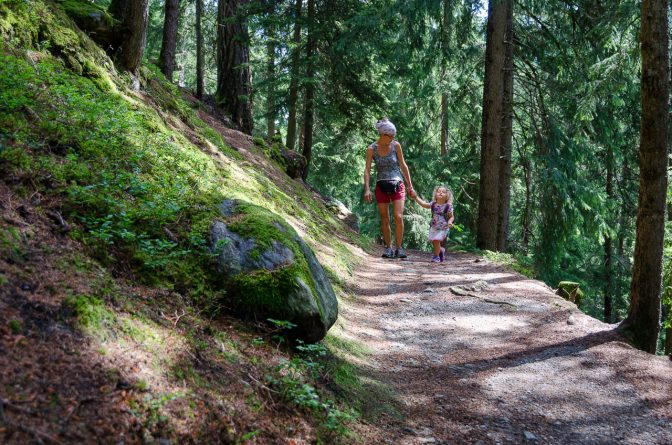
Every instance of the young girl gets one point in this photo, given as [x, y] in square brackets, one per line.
[442, 219]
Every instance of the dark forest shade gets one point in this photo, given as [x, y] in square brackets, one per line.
[643, 321]
[491, 134]
[169, 43]
[130, 33]
[233, 71]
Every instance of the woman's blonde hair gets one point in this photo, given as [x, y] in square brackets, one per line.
[449, 193]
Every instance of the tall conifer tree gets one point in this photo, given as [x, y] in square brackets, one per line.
[491, 129]
[130, 32]
[643, 321]
[233, 70]
[169, 43]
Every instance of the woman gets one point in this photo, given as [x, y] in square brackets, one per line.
[390, 187]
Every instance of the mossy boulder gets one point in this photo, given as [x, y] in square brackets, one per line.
[92, 19]
[343, 213]
[270, 271]
[570, 291]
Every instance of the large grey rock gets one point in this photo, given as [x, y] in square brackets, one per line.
[343, 213]
[275, 275]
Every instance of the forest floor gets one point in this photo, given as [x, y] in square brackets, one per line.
[475, 353]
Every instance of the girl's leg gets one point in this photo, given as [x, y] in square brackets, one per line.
[384, 211]
[437, 247]
[398, 221]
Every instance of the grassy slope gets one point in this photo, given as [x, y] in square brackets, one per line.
[114, 325]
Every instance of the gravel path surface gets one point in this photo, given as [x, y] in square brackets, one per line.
[479, 354]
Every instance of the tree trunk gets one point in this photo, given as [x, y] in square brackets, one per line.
[642, 323]
[527, 211]
[130, 33]
[270, 74]
[668, 331]
[310, 88]
[445, 54]
[608, 245]
[169, 43]
[294, 80]
[233, 70]
[493, 90]
[199, 49]
[507, 133]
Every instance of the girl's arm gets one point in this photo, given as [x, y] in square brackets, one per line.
[367, 175]
[427, 205]
[404, 169]
[451, 219]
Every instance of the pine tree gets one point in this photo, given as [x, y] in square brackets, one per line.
[199, 49]
[294, 80]
[169, 43]
[308, 121]
[233, 70]
[130, 33]
[491, 130]
[643, 321]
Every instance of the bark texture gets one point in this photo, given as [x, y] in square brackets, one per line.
[169, 42]
[308, 120]
[643, 321]
[491, 135]
[130, 33]
[294, 80]
[199, 49]
[233, 69]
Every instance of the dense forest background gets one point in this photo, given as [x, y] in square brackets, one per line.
[322, 72]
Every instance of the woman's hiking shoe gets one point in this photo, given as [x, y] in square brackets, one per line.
[436, 259]
[442, 254]
[389, 253]
[400, 253]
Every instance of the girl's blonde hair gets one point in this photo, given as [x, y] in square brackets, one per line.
[449, 193]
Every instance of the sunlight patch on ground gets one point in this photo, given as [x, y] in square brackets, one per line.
[144, 355]
[478, 323]
[558, 385]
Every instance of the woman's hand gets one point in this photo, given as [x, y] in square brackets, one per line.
[367, 195]
[412, 193]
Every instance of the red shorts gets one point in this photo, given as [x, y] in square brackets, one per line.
[384, 198]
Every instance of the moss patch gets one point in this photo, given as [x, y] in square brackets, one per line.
[264, 290]
[92, 316]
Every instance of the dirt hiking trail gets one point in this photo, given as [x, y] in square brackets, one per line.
[477, 354]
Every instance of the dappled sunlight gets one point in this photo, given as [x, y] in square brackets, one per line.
[144, 353]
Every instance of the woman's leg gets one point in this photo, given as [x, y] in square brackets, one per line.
[398, 221]
[384, 211]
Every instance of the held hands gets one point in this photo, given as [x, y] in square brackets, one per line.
[412, 193]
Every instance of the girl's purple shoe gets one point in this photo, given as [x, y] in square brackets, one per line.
[436, 259]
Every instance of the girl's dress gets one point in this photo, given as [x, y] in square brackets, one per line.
[438, 228]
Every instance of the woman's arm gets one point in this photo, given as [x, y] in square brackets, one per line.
[404, 169]
[367, 174]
